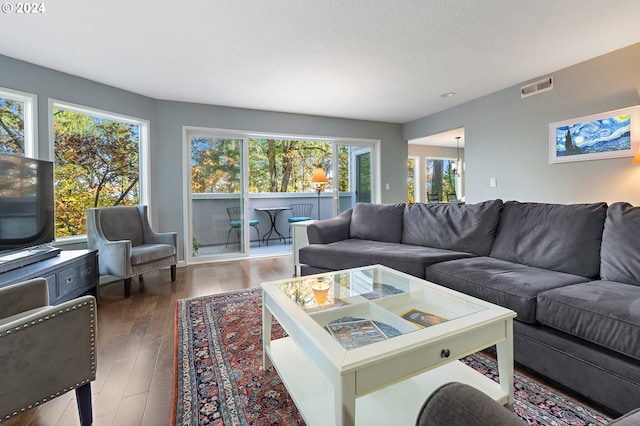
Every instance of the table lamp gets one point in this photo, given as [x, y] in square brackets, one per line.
[636, 159]
[319, 179]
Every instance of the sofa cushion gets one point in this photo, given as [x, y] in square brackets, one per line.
[469, 228]
[619, 259]
[354, 253]
[507, 284]
[146, 253]
[377, 222]
[563, 238]
[606, 313]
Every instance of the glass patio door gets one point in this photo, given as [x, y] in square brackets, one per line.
[353, 175]
[218, 202]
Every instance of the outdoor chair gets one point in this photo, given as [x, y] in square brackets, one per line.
[126, 244]
[299, 213]
[45, 350]
[433, 197]
[235, 223]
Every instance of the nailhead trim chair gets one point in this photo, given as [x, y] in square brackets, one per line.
[45, 350]
[126, 244]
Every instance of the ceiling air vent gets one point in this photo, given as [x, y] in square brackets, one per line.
[536, 87]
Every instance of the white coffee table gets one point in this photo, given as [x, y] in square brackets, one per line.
[377, 367]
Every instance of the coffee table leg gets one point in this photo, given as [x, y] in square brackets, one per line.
[266, 333]
[504, 351]
[345, 400]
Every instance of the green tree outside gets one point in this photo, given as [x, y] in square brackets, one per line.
[11, 127]
[96, 165]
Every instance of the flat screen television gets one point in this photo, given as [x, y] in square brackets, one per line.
[26, 204]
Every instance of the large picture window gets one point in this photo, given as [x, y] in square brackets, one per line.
[17, 123]
[97, 163]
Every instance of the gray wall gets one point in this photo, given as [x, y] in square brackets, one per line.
[166, 122]
[507, 137]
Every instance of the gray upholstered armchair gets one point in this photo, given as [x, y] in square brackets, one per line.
[45, 351]
[458, 404]
[126, 244]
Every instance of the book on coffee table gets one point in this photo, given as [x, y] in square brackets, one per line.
[354, 334]
[421, 318]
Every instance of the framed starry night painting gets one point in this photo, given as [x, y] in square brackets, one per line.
[607, 135]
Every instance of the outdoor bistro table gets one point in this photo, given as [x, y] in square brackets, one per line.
[273, 213]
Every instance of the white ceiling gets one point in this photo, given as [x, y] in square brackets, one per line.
[383, 60]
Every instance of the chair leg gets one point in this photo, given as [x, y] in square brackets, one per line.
[173, 272]
[83, 397]
[257, 232]
[127, 287]
[228, 235]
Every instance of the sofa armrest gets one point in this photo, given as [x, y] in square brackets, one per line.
[331, 230]
[461, 404]
[47, 353]
[23, 296]
[632, 418]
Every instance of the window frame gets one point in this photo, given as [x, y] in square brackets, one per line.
[30, 120]
[143, 147]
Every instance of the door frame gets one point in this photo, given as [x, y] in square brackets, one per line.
[245, 135]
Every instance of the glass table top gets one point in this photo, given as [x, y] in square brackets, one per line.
[367, 305]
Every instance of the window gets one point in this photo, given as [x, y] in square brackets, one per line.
[285, 165]
[17, 123]
[275, 165]
[98, 163]
[440, 180]
[413, 189]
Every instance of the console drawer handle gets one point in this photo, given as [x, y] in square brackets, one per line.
[69, 280]
[445, 353]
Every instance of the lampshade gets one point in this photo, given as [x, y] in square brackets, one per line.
[636, 159]
[319, 176]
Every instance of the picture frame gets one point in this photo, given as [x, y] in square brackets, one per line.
[609, 134]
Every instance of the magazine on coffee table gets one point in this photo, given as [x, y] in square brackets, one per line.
[422, 318]
[381, 290]
[354, 334]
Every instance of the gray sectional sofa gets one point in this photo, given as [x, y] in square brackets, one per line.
[570, 272]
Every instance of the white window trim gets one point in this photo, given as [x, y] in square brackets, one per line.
[30, 101]
[417, 176]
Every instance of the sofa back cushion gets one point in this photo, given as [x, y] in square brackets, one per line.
[378, 222]
[563, 238]
[470, 228]
[621, 244]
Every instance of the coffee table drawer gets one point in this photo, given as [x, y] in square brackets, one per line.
[441, 352]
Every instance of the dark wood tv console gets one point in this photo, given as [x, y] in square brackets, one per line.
[70, 274]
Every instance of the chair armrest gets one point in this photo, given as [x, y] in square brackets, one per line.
[115, 258]
[47, 353]
[23, 297]
[331, 230]
[461, 404]
[152, 237]
[169, 238]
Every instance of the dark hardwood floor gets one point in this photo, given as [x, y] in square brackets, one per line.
[135, 341]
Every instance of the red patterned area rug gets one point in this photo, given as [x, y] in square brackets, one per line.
[220, 380]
